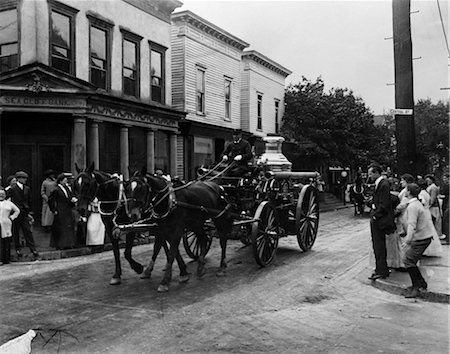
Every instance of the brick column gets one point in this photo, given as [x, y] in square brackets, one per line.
[150, 151]
[124, 152]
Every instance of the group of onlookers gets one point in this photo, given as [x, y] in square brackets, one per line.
[405, 224]
[58, 218]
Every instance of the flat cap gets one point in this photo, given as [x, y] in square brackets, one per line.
[21, 174]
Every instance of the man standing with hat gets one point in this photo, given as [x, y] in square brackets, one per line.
[239, 151]
[21, 196]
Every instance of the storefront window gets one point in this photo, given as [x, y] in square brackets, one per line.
[162, 151]
[203, 151]
[8, 40]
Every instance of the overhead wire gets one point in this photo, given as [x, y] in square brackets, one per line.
[443, 27]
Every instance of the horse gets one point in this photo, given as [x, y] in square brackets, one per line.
[109, 191]
[139, 209]
[187, 208]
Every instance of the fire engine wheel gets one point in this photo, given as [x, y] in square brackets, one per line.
[307, 217]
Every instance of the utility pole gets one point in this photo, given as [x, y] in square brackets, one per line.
[404, 96]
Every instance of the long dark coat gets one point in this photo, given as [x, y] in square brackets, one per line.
[63, 229]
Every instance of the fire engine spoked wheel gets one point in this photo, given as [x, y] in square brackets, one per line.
[307, 217]
[192, 245]
[265, 234]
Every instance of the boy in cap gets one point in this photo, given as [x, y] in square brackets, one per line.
[21, 196]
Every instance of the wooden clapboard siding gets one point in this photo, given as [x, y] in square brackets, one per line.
[245, 98]
[178, 61]
[180, 156]
[217, 66]
[262, 80]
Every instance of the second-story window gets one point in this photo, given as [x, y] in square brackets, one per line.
[8, 40]
[157, 72]
[100, 53]
[130, 63]
[259, 111]
[277, 123]
[227, 99]
[200, 91]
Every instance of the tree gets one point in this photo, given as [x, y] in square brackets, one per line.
[337, 126]
[432, 136]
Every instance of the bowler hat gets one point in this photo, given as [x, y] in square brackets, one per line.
[21, 174]
[237, 132]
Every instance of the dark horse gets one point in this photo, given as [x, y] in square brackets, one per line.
[109, 191]
[140, 211]
[187, 208]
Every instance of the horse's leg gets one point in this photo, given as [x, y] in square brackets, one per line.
[136, 266]
[159, 242]
[174, 241]
[202, 240]
[223, 262]
[184, 275]
[116, 278]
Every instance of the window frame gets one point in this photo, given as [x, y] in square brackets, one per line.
[203, 93]
[12, 6]
[259, 109]
[108, 28]
[227, 100]
[70, 12]
[136, 39]
[277, 115]
[158, 48]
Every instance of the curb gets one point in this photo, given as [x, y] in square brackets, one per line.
[76, 252]
[398, 290]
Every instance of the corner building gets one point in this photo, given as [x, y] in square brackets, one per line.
[86, 81]
[222, 87]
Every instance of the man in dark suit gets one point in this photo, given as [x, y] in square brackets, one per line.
[238, 151]
[381, 220]
[21, 196]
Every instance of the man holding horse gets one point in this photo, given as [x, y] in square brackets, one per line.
[238, 151]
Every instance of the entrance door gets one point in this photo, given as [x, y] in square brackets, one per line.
[35, 159]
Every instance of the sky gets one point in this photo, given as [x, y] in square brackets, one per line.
[346, 43]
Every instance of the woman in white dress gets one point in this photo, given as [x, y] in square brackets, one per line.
[95, 234]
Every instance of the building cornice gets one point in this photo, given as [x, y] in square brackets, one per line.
[207, 27]
[158, 8]
[266, 62]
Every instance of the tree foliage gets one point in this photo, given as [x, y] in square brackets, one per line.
[432, 136]
[334, 127]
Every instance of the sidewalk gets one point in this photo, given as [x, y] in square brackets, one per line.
[42, 241]
[436, 272]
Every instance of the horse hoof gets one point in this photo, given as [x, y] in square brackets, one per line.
[183, 278]
[163, 288]
[115, 281]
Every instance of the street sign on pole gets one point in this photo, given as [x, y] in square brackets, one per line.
[402, 111]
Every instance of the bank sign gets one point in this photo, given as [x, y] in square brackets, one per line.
[41, 102]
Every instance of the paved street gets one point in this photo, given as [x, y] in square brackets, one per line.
[316, 302]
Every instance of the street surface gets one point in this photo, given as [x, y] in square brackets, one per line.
[315, 302]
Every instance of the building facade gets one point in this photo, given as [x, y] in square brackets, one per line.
[262, 96]
[206, 83]
[222, 87]
[86, 81]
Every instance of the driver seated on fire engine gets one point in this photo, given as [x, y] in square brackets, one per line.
[238, 151]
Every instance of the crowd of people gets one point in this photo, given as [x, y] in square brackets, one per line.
[407, 222]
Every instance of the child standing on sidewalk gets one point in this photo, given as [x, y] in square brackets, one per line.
[8, 212]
